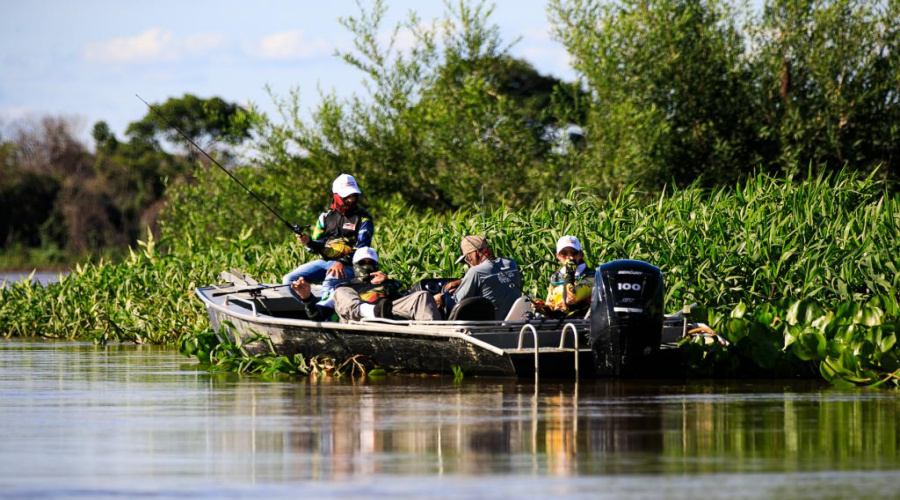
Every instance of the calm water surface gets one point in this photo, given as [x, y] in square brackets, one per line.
[44, 277]
[81, 421]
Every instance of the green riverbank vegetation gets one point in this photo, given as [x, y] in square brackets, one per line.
[800, 278]
[752, 156]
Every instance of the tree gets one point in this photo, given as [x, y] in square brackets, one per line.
[669, 89]
[205, 121]
[454, 115]
[829, 74]
[104, 139]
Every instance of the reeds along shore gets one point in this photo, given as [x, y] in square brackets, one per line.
[800, 277]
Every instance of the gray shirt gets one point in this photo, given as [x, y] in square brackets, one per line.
[497, 280]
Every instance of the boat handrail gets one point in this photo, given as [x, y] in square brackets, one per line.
[245, 301]
[562, 342]
[576, 349]
[537, 350]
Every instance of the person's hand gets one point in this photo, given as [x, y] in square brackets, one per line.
[439, 300]
[337, 271]
[378, 277]
[451, 286]
[540, 306]
[301, 288]
[303, 238]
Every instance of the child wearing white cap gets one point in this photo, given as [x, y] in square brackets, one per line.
[337, 234]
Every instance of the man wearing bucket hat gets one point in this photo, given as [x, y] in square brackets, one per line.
[338, 233]
[495, 278]
[371, 294]
[569, 294]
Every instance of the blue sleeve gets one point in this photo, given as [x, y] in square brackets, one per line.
[364, 234]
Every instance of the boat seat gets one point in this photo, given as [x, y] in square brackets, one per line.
[473, 309]
[519, 309]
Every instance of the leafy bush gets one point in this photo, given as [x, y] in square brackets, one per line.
[765, 242]
[848, 344]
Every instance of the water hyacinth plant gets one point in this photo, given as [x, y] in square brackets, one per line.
[758, 246]
[848, 344]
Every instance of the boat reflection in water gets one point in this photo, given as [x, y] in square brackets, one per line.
[139, 421]
[599, 427]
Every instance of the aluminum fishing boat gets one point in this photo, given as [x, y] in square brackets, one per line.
[624, 334]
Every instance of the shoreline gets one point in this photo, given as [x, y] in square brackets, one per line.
[36, 270]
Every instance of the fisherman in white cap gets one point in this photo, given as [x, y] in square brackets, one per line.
[569, 294]
[371, 294]
[338, 233]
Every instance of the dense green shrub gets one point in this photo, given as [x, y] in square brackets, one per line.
[767, 241]
[688, 89]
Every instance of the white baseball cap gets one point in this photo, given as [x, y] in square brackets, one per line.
[568, 241]
[365, 253]
[344, 186]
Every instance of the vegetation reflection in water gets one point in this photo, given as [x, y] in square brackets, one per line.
[153, 411]
[414, 426]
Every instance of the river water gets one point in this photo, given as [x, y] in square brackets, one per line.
[84, 421]
[43, 277]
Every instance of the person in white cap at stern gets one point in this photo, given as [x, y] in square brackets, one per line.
[569, 293]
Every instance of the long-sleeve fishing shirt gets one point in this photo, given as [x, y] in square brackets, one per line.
[336, 235]
[577, 287]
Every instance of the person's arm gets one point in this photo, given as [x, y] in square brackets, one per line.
[316, 243]
[301, 291]
[469, 286]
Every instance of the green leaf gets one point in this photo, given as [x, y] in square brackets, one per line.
[869, 316]
[736, 329]
[887, 343]
[850, 361]
[810, 345]
[739, 310]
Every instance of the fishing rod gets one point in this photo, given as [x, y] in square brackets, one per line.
[251, 290]
[293, 227]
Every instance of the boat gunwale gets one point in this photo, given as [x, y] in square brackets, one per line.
[443, 329]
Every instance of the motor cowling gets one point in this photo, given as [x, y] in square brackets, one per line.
[626, 317]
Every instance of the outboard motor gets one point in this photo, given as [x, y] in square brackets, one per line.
[626, 317]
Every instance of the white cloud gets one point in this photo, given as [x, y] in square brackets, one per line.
[547, 55]
[204, 43]
[152, 45]
[295, 44]
[15, 113]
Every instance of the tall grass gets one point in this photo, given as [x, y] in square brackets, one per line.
[831, 239]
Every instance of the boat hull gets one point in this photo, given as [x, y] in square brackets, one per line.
[407, 352]
[265, 319]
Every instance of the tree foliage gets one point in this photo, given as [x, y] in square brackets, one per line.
[669, 92]
[688, 89]
[669, 89]
[204, 121]
[451, 116]
[828, 75]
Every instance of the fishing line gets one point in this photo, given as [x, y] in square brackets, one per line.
[293, 227]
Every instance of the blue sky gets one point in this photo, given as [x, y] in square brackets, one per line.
[86, 59]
